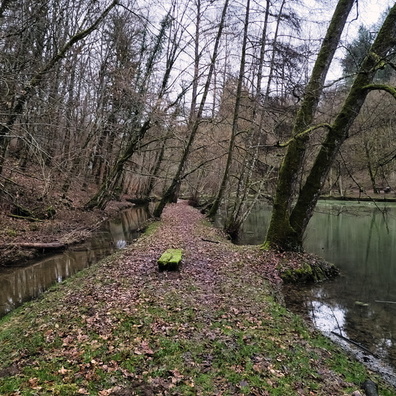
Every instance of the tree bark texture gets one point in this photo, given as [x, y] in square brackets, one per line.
[309, 194]
[280, 233]
[288, 226]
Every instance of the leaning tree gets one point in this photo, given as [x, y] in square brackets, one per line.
[292, 212]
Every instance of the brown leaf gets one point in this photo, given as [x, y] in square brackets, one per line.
[143, 349]
[33, 383]
[176, 376]
[63, 371]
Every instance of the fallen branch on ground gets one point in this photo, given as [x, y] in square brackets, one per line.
[29, 218]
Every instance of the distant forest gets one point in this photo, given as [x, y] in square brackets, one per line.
[179, 98]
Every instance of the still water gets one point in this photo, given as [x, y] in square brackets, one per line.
[21, 284]
[360, 305]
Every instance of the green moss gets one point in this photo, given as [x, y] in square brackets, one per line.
[266, 246]
[170, 260]
[151, 228]
[294, 275]
[50, 212]
[317, 271]
[11, 232]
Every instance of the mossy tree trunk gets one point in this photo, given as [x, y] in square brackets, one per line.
[280, 233]
[288, 224]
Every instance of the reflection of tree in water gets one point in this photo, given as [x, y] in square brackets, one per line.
[372, 327]
[355, 209]
[369, 326]
[360, 239]
[333, 307]
[21, 284]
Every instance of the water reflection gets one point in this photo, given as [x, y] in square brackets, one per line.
[20, 284]
[326, 317]
[361, 240]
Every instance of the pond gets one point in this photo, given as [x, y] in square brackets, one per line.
[358, 308]
[19, 284]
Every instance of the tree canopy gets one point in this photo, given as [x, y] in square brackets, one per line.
[222, 103]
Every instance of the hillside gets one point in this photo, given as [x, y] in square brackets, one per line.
[33, 211]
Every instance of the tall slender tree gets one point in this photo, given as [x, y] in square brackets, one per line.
[170, 194]
[24, 93]
[235, 121]
[140, 123]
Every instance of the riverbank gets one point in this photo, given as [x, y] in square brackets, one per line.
[216, 327]
[33, 222]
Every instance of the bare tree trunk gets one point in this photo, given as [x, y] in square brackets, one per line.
[108, 188]
[170, 193]
[370, 169]
[197, 59]
[242, 205]
[216, 204]
[24, 95]
[272, 64]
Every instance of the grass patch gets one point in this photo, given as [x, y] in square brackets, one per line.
[151, 228]
[170, 346]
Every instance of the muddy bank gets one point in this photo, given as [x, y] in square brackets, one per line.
[34, 210]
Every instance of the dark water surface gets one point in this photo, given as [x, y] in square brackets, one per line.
[21, 284]
[360, 305]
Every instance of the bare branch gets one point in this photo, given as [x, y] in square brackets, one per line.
[3, 6]
[27, 90]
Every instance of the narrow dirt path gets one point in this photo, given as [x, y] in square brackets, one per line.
[212, 328]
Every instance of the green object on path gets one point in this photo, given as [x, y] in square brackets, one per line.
[170, 260]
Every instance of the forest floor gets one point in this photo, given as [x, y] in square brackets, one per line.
[215, 327]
